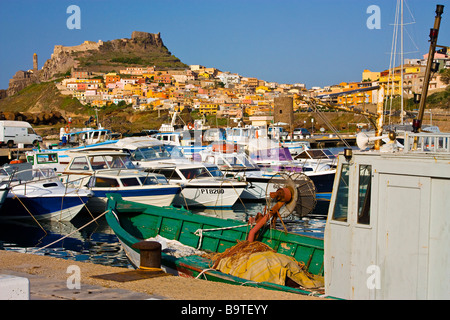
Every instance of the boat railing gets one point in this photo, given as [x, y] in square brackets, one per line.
[427, 142]
[28, 177]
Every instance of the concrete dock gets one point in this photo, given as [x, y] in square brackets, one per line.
[59, 279]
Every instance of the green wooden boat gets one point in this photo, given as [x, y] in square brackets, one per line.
[133, 222]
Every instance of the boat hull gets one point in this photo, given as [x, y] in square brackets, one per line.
[56, 208]
[209, 196]
[158, 196]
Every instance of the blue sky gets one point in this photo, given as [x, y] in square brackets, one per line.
[314, 42]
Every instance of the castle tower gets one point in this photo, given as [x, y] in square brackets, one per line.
[35, 62]
[284, 110]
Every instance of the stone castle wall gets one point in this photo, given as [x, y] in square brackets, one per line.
[87, 45]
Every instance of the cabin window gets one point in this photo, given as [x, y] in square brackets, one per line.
[194, 173]
[136, 156]
[147, 181]
[365, 182]
[47, 158]
[340, 212]
[106, 183]
[215, 172]
[98, 163]
[79, 163]
[130, 182]
[170, 174]
[161, 179]
[51, 184]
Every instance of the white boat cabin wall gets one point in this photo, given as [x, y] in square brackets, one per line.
[387, 232]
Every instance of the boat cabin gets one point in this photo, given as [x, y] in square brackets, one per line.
[92, 161]
[86, 137]
[228, 160]
[183, 172]
[124, 180]
[387, 233]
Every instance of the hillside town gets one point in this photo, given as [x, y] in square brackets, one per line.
[226, 94]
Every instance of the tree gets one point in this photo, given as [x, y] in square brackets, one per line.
[445, 76]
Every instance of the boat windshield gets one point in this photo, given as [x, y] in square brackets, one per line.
[150, 180]
[99, 162]
[279, 154]
[194, 173]
[214, 170]
[236, 161]
[156, 153]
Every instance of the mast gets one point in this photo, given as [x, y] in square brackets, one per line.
[417, 123]
[401, 62]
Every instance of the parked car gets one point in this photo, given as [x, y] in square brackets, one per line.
[301, 132]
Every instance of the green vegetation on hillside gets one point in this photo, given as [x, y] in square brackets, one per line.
[41, 96]
[114, 56]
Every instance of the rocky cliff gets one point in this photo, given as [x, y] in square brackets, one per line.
[142, 49]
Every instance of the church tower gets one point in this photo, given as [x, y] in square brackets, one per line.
[35, 62]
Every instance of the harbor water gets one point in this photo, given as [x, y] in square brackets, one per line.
[97, 243]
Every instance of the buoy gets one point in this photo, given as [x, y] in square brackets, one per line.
[16, 161]
[67, 129]
[190, 126]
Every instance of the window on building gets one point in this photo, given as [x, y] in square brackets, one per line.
[341, 205]
[365, 182]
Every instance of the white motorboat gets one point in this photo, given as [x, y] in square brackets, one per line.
[105, 172]
[38, 194]
[200, 187]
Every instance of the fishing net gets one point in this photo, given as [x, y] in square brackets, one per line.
[256, 261]
[242, 250]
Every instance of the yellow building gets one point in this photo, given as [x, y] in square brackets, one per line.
[208, 108]
[204, 75]
[391, 83]
[262, 89]
[356, 98]
[368, 75]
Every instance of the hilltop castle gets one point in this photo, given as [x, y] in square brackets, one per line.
[87, 45]
[62, 58]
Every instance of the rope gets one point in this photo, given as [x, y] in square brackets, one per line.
[203, 273]
[232, 185]
[16, 197]
[101, 215]
[329, 124]
[199, 232]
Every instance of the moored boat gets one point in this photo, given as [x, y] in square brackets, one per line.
[134, 222]
[201, 188]
[37, 194]
[112, 171]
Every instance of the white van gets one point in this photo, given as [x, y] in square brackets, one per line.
[15, 132]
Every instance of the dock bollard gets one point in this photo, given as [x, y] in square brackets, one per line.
[150, 253]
